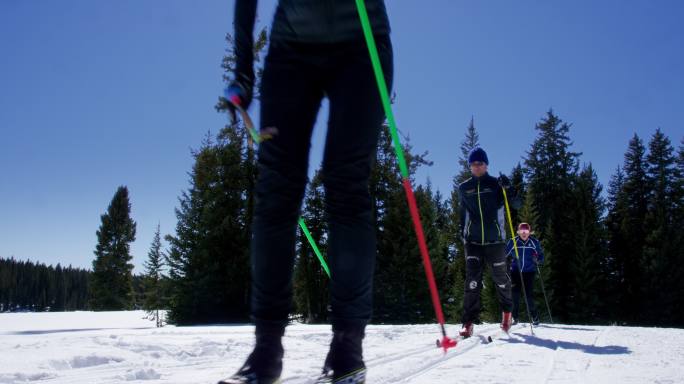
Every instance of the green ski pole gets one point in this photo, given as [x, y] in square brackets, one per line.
[258, 138]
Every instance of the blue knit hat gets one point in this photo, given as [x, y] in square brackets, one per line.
[478, 154]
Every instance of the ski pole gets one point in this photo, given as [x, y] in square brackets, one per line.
[258, 138]
[413, 208]
[517, 257]
[548, 308]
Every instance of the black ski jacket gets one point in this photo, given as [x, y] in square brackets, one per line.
[482, 215]
[305, 21]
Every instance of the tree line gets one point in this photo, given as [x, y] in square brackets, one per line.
[612, 256]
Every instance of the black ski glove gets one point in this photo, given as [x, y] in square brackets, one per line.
[504, 182]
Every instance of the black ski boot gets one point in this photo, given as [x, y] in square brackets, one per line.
[265, 363]
[344, 363]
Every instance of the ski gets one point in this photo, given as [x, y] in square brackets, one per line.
[356, 377]
[500, 334]
[485, 339]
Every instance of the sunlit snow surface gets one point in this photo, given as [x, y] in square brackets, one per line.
[118, 347]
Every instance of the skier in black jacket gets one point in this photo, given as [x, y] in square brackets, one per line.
[483, 229]
[317, 49]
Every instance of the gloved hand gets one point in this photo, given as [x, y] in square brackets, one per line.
[239, 93]
[504, 182]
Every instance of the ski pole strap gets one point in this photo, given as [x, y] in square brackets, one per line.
[258, 139]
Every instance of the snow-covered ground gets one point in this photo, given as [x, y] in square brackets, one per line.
[116, 347]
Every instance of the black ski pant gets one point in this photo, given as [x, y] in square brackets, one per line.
[477, 256]
[528, 280]
[296, 78]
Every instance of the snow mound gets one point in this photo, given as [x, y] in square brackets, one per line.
[84, 362]
[142, 374]
[23, 378]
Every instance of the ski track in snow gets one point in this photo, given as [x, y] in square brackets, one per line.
[429, 356]
[589, 359]
[122, 348]
[472, 342]
[551, 364]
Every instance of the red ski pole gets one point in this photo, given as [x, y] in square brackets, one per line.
[446, 342]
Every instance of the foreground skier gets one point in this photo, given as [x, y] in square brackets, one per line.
[316, 49]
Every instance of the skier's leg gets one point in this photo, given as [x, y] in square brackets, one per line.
[528, 278]
[473, 283]
[496, 259]
[290, 98]
[515, 291]
[356, 116]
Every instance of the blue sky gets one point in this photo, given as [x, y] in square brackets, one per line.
[94, 95]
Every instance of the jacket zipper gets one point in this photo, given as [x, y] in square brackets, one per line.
[479, 205]
[523, 259]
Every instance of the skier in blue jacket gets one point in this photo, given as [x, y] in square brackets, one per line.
[531, 255]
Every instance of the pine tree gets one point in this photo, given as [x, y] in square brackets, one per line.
[679, 239]
[526, 212]
[680, 158]
[435, 222]
[400, 289]
[589, 248]
[470, 142]
[58, 289]
[636, 193]
[111, 285]
[660, 249]
[613, 265]
[208, 258]
[441, 253]
[384, 185]
[519, 189]
[550, 169]
[153, 292]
